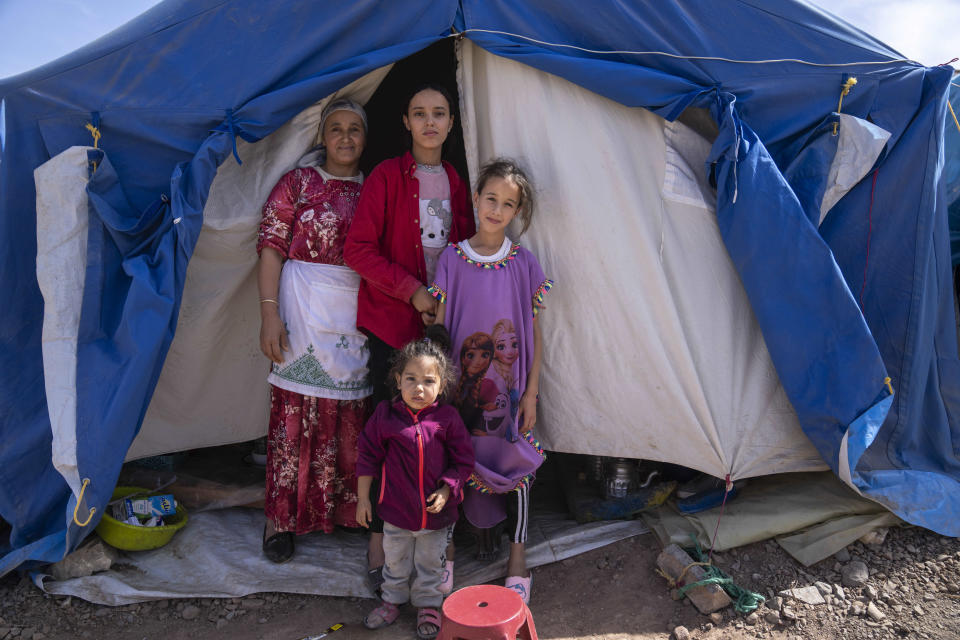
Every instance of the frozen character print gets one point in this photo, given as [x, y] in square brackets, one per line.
[506, 350]
[475, 392]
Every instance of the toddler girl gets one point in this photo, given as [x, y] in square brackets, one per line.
[489, 287]
[421, 452]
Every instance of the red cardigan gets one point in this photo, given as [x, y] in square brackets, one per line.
[383, 246]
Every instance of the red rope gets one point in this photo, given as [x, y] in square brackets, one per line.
[726, 491]
[866, 260]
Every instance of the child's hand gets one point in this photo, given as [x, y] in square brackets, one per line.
[364, 512]
[423, 301]
[428, 318]
[527, 414]
[438, 499]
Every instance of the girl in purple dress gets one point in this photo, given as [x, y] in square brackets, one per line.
[490, 288]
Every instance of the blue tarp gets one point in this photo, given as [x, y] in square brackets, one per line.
[865, 297]
[951, 169]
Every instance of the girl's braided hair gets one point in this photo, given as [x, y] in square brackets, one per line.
[436, 345]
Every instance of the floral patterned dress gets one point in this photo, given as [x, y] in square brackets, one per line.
[311, 482]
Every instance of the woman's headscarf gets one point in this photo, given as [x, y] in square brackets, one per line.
[317, 156]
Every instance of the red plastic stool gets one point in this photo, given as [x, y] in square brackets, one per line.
[486, 612]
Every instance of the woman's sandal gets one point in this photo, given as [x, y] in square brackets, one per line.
[428, 623]
[521, 586]
[279, 547]
[383, 615]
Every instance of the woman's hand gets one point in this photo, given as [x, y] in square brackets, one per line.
[364, 511]
[527, 415]
[273, 335]
[438, 499]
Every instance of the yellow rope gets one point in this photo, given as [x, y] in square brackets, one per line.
[954, 115]
[86, 481]
[95, 132]
[846, 89]
[96, 135]
[886, 381]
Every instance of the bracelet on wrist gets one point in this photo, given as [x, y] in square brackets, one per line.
[262, 300]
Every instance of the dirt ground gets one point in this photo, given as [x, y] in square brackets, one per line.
[612, 593]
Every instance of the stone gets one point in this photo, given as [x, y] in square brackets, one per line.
[843, 555]
[870, 591]
[788, 614]
[190, 612]
[875, 537]
[252, 604]
[929, 597]
[874, 612]
[854, 574]
[917, 610]
[857, 608]
[681, 633]
[777, 603]
[806, 595]
[773, 617]
[716, 618]
[752, 619]
[221, 623]
[85, 561]
[706, 598]
[824, 588]
[838, 590]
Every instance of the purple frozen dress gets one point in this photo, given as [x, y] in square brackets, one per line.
[490, 308]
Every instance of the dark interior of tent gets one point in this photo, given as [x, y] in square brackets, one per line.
[437, 64]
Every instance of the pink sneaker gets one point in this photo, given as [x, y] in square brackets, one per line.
[521, 586]
[446, 578]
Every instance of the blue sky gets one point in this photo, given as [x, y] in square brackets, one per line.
[33, 32]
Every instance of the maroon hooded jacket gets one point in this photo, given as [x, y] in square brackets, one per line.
[413, 454]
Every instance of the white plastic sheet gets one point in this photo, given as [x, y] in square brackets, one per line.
[62, 225]
[218, 555]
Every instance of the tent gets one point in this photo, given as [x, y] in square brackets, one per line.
[751, 251]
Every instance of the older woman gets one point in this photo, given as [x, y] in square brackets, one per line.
[308, 306]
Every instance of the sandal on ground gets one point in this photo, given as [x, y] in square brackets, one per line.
[446, 578]
[279, 547]
[521, 586]
[382, 616]
[428, 623]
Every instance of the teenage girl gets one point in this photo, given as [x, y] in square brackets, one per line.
[394, 243]
[422, 453]
[483, 283]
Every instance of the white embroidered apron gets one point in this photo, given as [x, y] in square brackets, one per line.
[328, 355]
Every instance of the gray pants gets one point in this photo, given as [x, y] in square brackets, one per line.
[417, 553]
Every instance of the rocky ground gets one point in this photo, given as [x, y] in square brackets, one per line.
[906, 586]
